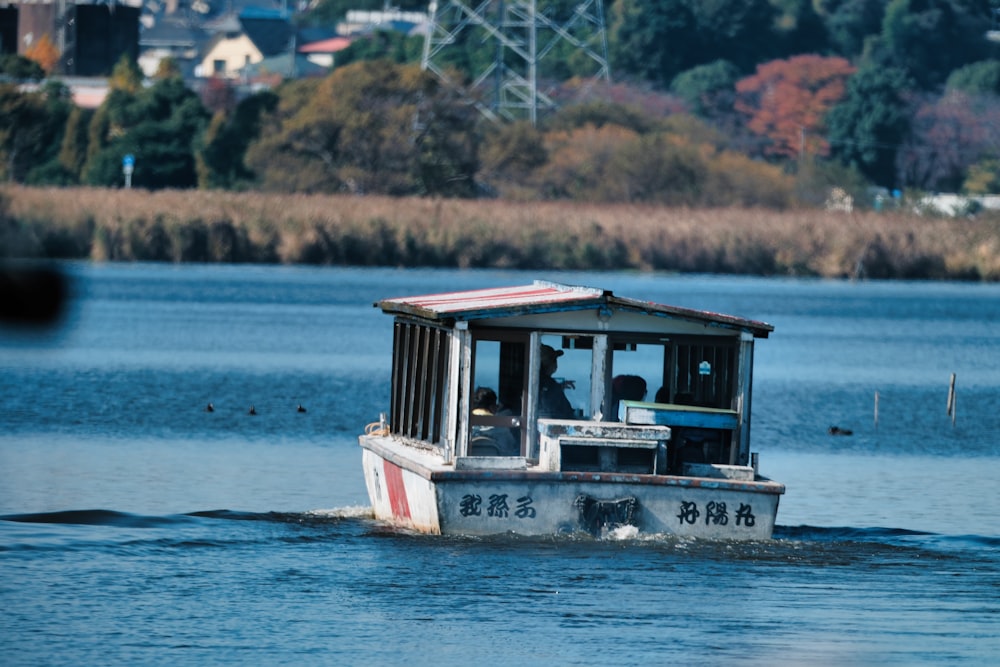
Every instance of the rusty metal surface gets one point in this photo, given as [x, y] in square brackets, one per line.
[542, 297]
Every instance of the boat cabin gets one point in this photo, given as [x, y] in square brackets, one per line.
[565, 378]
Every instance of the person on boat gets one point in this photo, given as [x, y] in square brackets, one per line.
[626, 388]
[552, 401]
[484, 404]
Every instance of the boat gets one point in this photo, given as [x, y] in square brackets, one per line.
[672, 457]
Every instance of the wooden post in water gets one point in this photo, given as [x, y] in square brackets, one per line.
[951, 399]
[876, 410]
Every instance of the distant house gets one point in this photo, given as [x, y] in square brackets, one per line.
[362, 21]
[171, 37]
[323, 52]
[243, 40]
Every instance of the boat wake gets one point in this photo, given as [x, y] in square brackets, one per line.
[836, 542]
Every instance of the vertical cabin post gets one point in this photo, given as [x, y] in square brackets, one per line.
[534, 373]
[599, 375]
[458, 377]
[739, 452]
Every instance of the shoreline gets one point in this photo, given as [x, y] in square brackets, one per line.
[219, 226]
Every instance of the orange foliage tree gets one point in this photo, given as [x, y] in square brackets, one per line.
[43, 52]
[787, 100]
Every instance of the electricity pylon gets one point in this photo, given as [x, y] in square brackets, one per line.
[505, 86]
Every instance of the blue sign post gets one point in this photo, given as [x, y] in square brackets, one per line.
[128, 165]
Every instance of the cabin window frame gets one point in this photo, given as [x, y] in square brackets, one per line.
[502, 336]
[419, 386]
[687, 350]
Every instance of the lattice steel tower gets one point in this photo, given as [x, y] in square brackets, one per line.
[519, 38]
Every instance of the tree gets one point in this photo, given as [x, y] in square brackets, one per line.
[849, 23]
[868, 127]
[981, 78]
[929, 39]
[19, 68]
[126, 76]
[949, 134]
[740, 31]
[58, 104]
[983, 177]
[222, 149]
[219, 94]
[652, 40]
[372, 126]
[708, 89]
[383, 45]
[167, 69]
[798, 27]
[159, 125]
[23, 126]
[511, 152]
[73, 151]
[787, 102]
[43, 52]
[598, 114]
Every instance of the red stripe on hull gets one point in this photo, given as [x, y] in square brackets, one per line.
[397, 490]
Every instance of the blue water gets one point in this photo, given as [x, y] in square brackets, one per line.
[136, 528]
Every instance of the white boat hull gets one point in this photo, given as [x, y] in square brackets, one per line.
[416, 490]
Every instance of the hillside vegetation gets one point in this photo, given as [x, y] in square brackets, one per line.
[723, 103]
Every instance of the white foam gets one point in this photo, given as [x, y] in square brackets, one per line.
[350, 512]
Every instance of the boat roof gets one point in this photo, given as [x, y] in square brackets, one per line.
[547, 297]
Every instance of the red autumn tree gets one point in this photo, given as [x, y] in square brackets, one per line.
[787, 100]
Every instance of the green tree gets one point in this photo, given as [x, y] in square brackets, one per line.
[981, 78]
[709, 90]
[126, 76]
[19, 68]
[167, 69]
[799, 28]
[653, 41]
[929, 39]
[221, 152]
[58, 107]
[73, 150]
[867, 129]
[983, 178]
[383, 45]
[849, 23]
[159, 125]
[740, 31]
[23, 128]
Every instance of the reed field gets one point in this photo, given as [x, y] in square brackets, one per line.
[218, 226]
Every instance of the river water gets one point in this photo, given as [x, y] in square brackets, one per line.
[137, 528]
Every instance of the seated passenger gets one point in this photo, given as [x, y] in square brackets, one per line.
[626, 388]
[484, 403]
[552, 401]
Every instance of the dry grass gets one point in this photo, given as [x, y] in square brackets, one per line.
[115, 225]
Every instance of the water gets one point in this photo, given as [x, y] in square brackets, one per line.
[137, 528]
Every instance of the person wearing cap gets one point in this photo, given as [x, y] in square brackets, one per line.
[552, 402]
